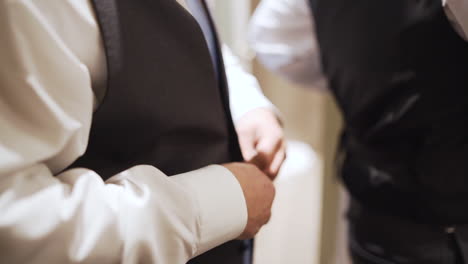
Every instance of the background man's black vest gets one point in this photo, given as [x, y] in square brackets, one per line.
[399, 73]
[164, 105]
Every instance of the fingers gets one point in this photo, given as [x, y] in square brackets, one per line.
[277, 162]
[247, 142]
[266, 149]
[261, 140]
[270, 154]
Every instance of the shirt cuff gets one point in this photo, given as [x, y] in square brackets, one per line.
[255, 100]
[221, 205]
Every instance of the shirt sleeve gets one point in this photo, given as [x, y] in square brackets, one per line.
[245, 93]
[283, 36]
[53, 216]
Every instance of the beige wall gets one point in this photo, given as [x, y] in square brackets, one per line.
[294, 232]
[311, 116]
[314, 195]
[303, 109]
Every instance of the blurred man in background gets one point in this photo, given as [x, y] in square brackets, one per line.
[100, 101]
[398, 72]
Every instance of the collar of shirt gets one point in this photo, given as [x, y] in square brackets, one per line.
[457, 11]
[209, 3]
[182, 3]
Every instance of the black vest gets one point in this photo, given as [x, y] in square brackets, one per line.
[399, 73]
[164, 104]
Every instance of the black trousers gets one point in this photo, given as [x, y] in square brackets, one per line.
[379, 238]
[233, 252]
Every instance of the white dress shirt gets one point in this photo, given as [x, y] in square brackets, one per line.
[52, 70]
[282, 34]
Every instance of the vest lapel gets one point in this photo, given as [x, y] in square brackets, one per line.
[107, 17]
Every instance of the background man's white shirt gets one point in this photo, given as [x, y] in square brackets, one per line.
[283, 35]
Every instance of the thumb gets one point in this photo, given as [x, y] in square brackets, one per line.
[247, 142]
[265, 149]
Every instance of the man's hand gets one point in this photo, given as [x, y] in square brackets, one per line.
[259, 193]
[261, 140]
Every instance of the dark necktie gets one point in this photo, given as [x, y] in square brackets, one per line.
[200, 12]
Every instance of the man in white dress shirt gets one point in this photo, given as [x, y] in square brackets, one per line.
[398, 72]
[121, 84]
